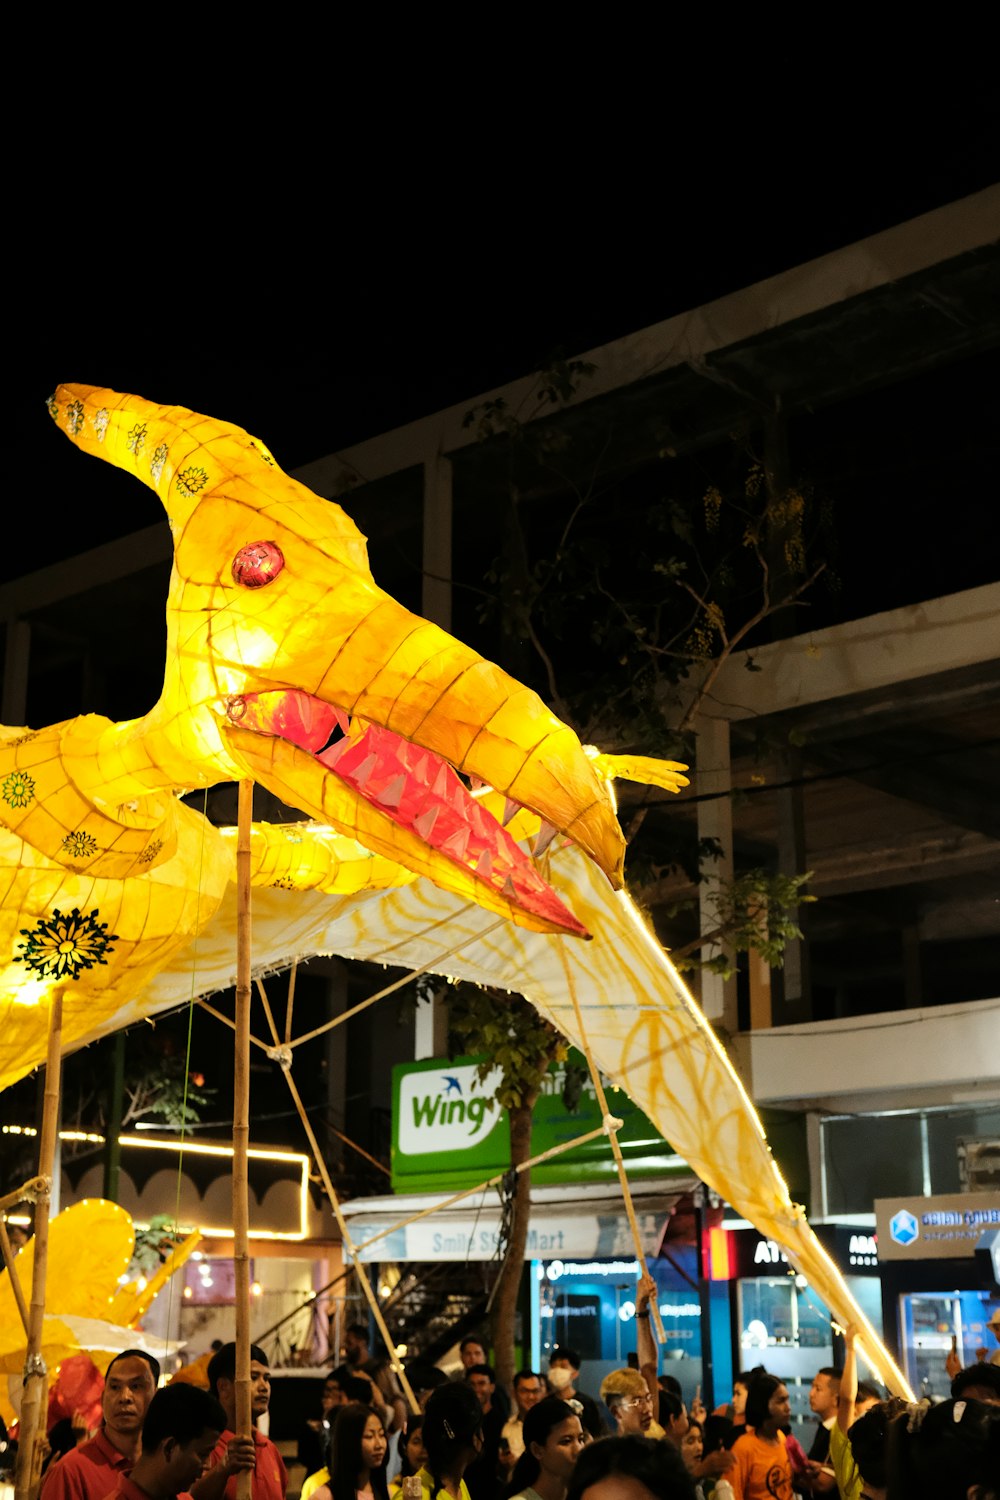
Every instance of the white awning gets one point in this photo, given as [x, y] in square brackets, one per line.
[586, 1222]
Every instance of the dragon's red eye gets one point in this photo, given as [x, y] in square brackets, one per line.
[257, 564]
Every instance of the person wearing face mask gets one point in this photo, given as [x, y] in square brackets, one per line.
[564, 1372]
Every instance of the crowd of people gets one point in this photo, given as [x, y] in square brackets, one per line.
[547, 1440]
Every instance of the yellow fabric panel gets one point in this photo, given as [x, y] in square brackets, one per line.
[90, 1246]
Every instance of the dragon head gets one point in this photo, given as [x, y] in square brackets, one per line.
[288, 664]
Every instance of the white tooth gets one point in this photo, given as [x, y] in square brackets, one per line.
[424, 824]
[543, 838]
[485, 865]
[365, 769]
[510, 808]
[393, 793]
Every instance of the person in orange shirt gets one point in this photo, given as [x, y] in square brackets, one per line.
[761, 1467]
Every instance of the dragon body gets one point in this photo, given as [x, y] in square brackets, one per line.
[454, 823]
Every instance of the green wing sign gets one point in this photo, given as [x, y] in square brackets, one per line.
[447, 1133]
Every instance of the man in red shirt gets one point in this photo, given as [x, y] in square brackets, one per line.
[88, 1473]
[182, 1426]
[233, 1455]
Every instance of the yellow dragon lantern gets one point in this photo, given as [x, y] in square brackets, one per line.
[426, 772]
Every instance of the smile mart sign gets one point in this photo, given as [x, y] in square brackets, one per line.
[447, 1133]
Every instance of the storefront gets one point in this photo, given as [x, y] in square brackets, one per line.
[582, 1268]
[777, 1319]
[940, 1281]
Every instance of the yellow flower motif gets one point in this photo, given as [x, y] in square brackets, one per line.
[62, 947]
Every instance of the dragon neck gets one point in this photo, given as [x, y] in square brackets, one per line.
[157, 753]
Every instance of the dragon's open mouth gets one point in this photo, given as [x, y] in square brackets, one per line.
[417, 791]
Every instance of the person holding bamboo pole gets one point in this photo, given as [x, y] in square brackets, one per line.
[234, 1455]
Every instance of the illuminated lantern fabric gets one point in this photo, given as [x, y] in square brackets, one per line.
[90, 1246]
[286, 663]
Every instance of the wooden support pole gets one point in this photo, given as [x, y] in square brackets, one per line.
[32, 1428]
[241, 1127]
[15, 1280]
[26, 1193]
[293, 971]
[283, 1055]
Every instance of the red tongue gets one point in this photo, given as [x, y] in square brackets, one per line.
[416, 788]
[294, 716]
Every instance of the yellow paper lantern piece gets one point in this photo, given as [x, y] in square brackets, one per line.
[286, 663]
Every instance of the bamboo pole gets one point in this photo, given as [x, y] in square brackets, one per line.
[289, 1003]
[241, 1128]
[15, 1280]
[286, 1067]
[27, 1193]
[32, 1428]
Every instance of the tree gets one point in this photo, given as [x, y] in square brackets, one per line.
[624, 628]
[157, 1082]
[510, 1035]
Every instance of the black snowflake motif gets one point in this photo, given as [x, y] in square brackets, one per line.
[18, 789]
[61, 947]
[23, 739]
[283, 883]
[79, 845]
[136, 440]
[74, 417]
[190, 481]
[150, 852]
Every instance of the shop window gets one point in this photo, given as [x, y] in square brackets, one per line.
[785, 1327]
[916, 1153]
[867, 1293]
[576, 1322]
[944, 1133]
[871, 1156]
[210, 1283]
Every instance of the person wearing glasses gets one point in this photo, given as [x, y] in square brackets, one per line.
[627, 1397]
[633, 1396]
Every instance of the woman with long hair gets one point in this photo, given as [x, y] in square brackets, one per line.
[413, 1454]
[553, 1441]
[357, 1457]
[453, 1436]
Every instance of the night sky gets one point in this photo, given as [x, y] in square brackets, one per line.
[392, 313]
